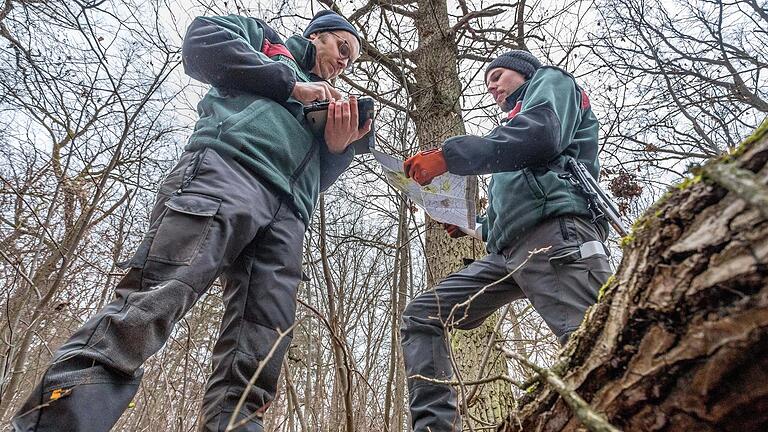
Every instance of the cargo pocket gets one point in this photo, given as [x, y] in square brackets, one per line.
[564, 256]
[590, 271]
[598, 270]
[183, 228]
[573, 293]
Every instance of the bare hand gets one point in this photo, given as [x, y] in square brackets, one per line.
[341, 125]
[306, 93]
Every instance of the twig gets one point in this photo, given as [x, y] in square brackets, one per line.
[449, 323]
[487, 380]
[232, 425]
[483, 289]
[294, 396]
[581, 409]
[487, 351]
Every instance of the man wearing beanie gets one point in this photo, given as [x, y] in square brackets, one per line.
[531, 206]
[235, 206]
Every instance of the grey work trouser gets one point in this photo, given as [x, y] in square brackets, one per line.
[212, 217]
[559, 282]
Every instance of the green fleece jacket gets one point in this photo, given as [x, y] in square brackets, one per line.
[249, 113]
[551, 121]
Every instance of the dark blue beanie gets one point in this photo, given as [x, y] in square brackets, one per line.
[328, 20]
[517, 60]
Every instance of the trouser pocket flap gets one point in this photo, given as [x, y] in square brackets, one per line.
[583, 251]
[565, 256]
[193, 204]
[183, 228]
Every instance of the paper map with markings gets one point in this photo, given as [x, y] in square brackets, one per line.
[444, 200]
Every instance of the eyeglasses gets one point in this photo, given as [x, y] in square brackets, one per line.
[346, 52]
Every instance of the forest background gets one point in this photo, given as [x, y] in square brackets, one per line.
[95, 108]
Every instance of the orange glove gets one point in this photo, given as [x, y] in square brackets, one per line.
[453, 231]
[425, 166]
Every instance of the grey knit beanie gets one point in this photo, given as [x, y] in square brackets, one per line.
[517, 60]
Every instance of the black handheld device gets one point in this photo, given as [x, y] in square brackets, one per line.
[316, 113]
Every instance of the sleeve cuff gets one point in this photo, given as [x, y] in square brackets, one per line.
[454, 159]
[291, 84]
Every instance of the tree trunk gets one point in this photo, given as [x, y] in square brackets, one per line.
[437, 116]
[679, 339]
[341, 359]
[394, 399]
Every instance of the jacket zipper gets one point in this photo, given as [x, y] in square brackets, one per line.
[302, 166]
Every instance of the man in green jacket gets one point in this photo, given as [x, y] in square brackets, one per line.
[531, 205]
[236, 207]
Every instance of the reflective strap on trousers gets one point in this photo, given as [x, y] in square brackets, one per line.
[591, 248]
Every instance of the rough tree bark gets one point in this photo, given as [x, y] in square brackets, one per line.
[679, 338]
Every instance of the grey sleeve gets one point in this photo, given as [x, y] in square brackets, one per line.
[333, 165]
[530, 139]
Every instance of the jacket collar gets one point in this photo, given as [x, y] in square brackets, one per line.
[303, 51]
[511, 100]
